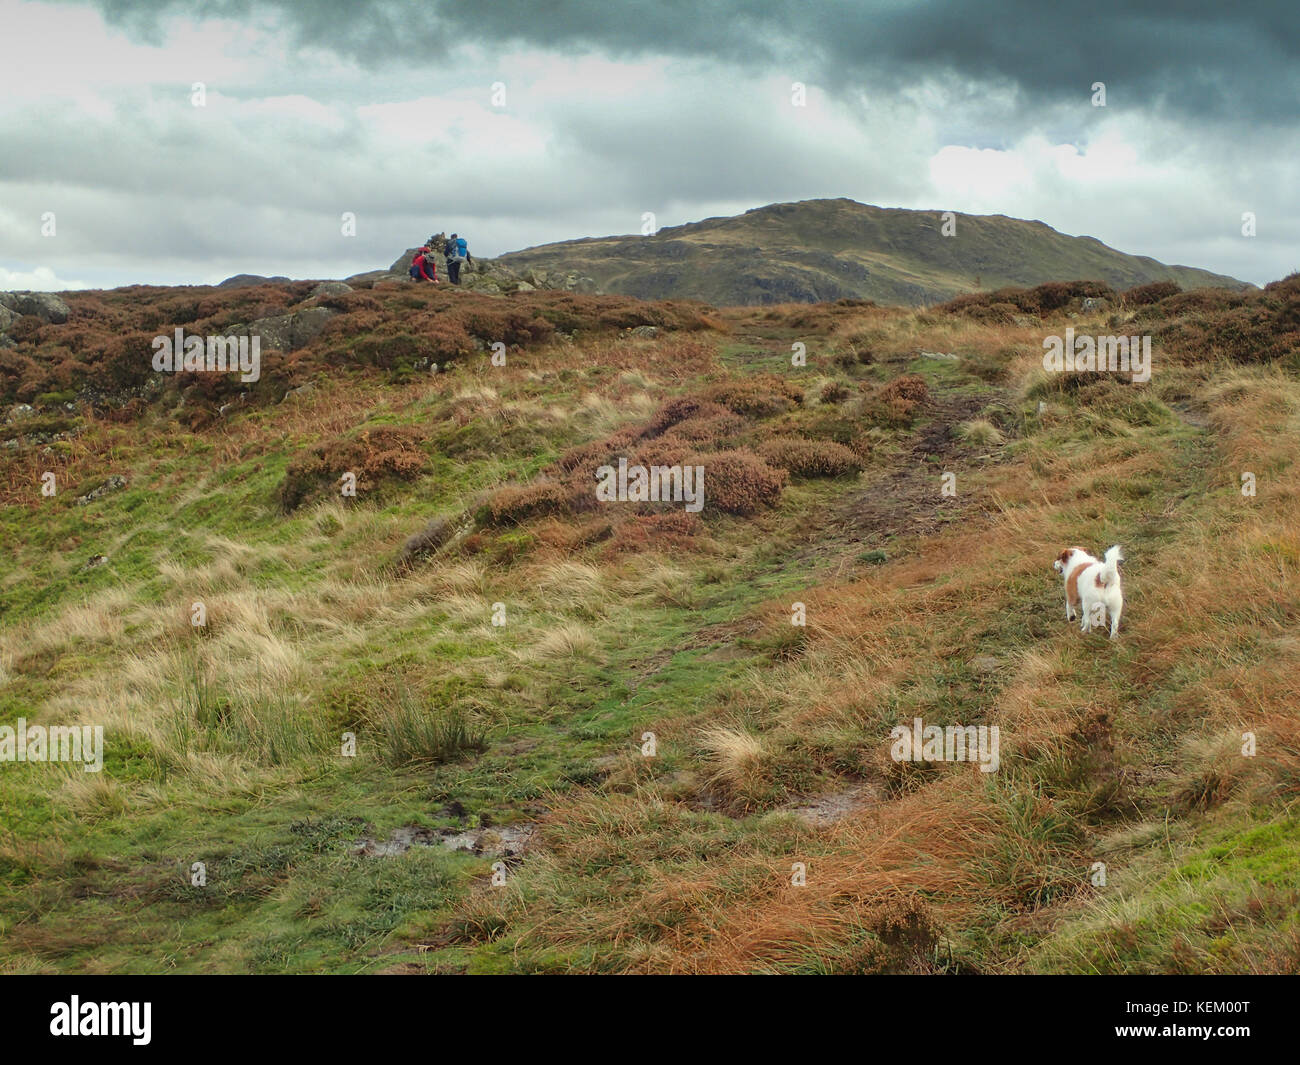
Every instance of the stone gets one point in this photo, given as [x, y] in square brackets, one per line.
[275, 333]
[114, 484]
[985, 665]
[330, 288]
[44, 305]
[307, 325]
[524, 286]
[301, 392]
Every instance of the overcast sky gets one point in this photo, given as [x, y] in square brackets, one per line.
[613, 108]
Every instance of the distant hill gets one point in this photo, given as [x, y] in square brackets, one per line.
[818, 250]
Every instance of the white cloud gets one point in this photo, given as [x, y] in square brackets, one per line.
[41, 279]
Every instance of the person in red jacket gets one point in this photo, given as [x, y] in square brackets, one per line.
[424, 267]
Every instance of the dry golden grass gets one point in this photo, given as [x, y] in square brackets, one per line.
[734, 755]
[567, 640]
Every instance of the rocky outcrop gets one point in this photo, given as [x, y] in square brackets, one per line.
[489, 277]
[44, 305]
[286, 332]
[330, 288]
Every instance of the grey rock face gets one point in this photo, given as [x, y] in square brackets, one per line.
[330, 288]
[285, 332]
[44, 305]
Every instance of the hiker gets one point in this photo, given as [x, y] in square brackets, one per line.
[457, 253]
[424, 267]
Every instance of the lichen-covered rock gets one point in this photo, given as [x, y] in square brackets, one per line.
[44, 305]
[307, 324]
[275, 333]
[330, 288]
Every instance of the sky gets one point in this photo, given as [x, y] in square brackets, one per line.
[183, 141]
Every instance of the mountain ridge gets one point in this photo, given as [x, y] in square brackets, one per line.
[827, 249]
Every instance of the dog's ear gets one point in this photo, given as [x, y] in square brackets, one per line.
[1064, 556]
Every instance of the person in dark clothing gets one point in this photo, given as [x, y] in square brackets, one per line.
[457, 254]
[424, 267]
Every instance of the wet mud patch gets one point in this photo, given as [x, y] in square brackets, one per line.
[823, 810]
[908, 499]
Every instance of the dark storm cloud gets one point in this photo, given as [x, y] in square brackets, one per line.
[1183, 57]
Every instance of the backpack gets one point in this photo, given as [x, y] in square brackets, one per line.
[459, 251]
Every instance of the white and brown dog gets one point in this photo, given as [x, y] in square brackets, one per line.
[1092, 587]
[1069, 565]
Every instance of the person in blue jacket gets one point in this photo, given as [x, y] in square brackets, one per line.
[457, 254]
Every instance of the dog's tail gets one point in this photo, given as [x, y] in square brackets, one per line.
[1110, 567]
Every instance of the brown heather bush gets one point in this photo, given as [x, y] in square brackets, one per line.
[709, 425]
[757, 397]
[666, 451]
[739, 482]
[896, 403]
[374, 455]
[910, 387]
[106, 343]
[666, 529]
[597, 452]
[809, 458]
[1003, 305]
[672, 412]
[1249, 327]
[835, 392]
[1142, 295]
[514, 504]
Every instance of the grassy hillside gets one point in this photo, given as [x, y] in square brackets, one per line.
[836, 249]
[500, 645]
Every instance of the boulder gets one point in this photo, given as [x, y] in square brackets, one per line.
[44, 305]
[330, 288]
[403, 262]
[7, 318]
[276, 332]
[301, 392]
[524, 286]
[307, 325]
[285, 332]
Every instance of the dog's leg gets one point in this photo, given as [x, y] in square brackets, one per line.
[1114, 620]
